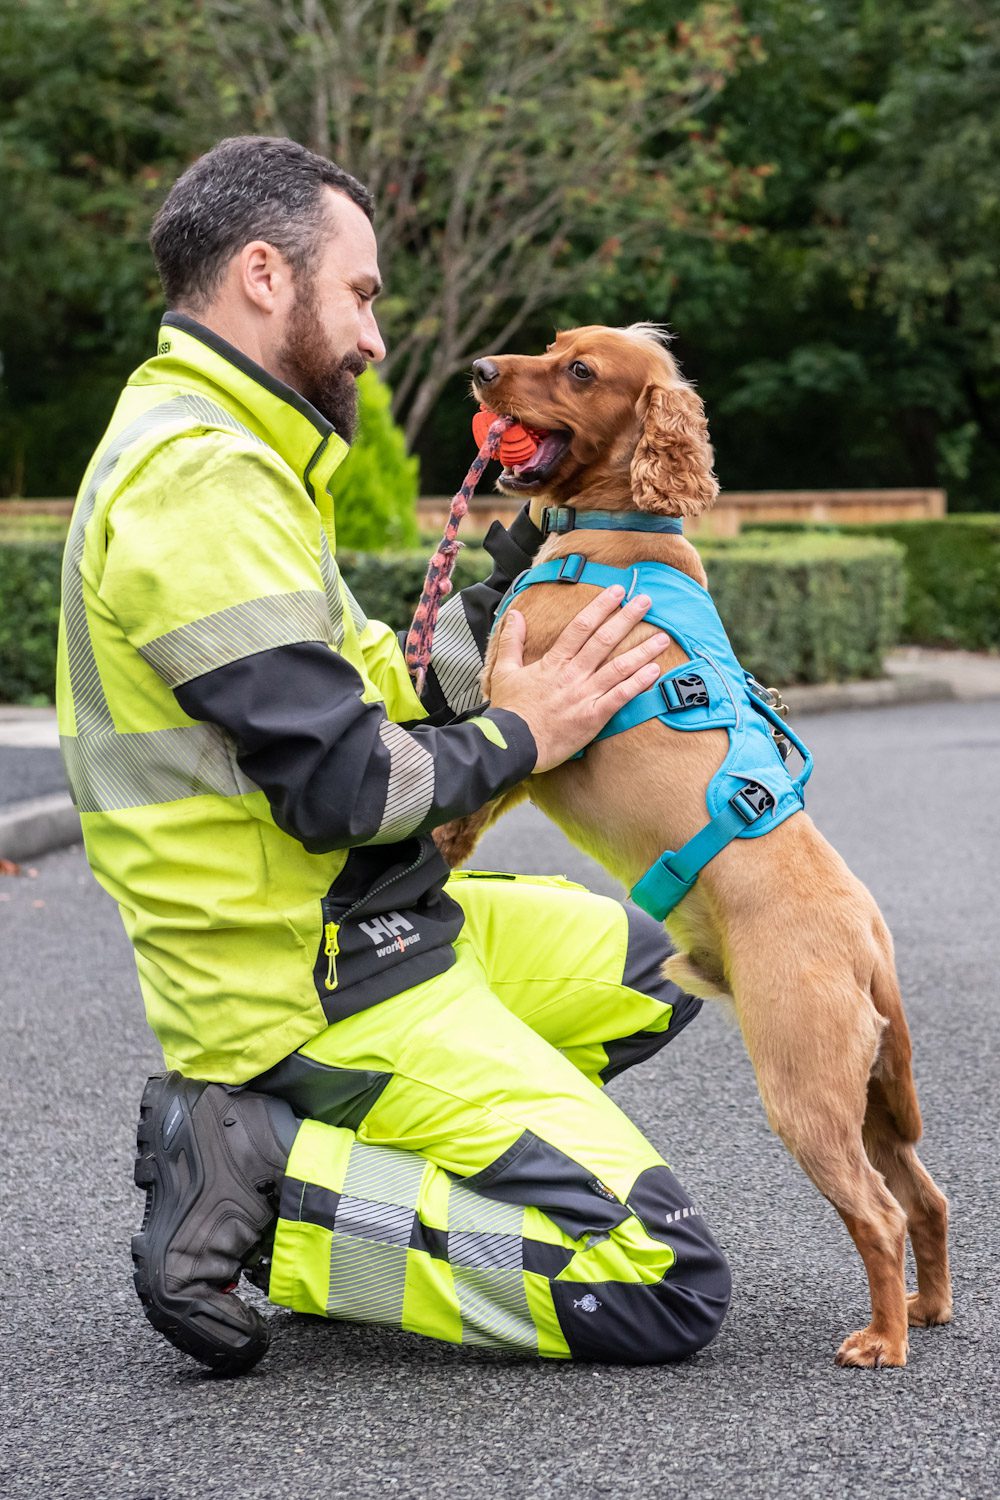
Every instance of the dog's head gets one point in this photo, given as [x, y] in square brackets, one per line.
[622, 425]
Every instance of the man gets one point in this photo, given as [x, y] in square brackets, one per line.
[425, 1141]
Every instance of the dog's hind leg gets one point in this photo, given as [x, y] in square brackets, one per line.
[813, 1056]
[925, 1206]
[457, 840]
[892, 1129]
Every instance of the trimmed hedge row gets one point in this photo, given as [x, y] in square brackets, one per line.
[30, 581]
[808, 609]
[952, 575]
[798, 609]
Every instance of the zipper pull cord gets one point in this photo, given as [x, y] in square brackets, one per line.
[331, 948]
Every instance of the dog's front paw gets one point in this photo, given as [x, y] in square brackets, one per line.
[923, 1310]
[870, 1350]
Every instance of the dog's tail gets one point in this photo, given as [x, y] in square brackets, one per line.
[893, 1068]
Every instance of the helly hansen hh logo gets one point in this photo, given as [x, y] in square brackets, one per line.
[387, 933]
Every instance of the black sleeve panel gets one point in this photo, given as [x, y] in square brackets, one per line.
[466, 619]
[335, 770]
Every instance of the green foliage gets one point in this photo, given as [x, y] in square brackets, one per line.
[952, 576]
[803, 609]
[806, 192]
[92, 129]
[387, 584]
[375, 489]
[30, 578]
[807, 608]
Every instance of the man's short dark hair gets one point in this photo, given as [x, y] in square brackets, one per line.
[249, 187]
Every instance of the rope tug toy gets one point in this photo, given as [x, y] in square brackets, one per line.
[498, 437]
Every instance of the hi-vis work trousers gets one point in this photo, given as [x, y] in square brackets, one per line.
[462, 1174]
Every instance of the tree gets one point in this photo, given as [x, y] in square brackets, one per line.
[92, 131]
[913, 224]
[516, 153]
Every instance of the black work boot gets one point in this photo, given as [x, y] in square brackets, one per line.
[211, 1162]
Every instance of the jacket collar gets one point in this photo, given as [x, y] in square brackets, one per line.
[190, 354]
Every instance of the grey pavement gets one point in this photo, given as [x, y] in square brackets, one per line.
[96, 1405]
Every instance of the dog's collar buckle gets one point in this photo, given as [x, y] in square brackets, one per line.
[558, 519]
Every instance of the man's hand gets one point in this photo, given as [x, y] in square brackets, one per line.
[570, 693]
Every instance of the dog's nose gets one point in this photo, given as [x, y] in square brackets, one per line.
[484, 370]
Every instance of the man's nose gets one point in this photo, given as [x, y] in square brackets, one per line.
[484, 370]
[370, 342]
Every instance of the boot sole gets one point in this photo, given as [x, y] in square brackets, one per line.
[199, 1326]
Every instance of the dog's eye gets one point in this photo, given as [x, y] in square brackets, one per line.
[580, 370]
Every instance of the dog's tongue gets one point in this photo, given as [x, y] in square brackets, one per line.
[518, 443]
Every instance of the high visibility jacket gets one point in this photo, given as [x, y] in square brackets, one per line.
[232, 725]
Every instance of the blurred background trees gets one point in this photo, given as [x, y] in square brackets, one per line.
[806, 192]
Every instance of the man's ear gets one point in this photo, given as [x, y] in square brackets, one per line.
[672, 466]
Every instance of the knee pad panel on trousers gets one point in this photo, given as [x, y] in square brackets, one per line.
[643, 1323]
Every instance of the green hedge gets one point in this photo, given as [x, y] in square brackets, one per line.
[952, 575]
[808, 609]
[29, 618]
[799, 609]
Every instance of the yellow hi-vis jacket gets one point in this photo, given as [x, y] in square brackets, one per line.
[232, 725]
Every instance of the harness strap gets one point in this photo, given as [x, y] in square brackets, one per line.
[691, 696]
[573, 568]
[667, 881]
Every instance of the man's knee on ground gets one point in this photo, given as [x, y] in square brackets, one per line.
[652, 1323]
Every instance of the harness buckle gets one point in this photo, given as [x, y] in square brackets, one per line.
[574, 560]
[680, 693]
[752, 801]
[558, 519]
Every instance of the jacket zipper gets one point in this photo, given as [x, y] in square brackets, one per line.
[331, 929]
[331, 948]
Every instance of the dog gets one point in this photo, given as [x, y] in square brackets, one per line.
[777, 925]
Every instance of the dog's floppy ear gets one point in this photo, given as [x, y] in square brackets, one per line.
[672, 466]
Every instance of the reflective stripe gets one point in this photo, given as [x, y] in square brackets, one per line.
[109, 771]
[387, 1223]
[457, 659]
[89, 701]
[357, 613]
[486, 1255]
[410, 791]
[384, 1174]
[331, 583]
[372, 1232]
[367, 1280]
[236, 632]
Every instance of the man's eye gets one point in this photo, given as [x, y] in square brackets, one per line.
[580, 370]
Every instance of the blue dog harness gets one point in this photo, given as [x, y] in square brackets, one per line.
[751, 792]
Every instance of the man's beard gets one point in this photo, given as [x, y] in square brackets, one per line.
[310, 367]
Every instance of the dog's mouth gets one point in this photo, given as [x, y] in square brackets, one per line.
[542, 464]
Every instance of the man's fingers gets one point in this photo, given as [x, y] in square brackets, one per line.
[582, 626]
[510, 650]
[623, 692]
[620, 667]
[607, 638]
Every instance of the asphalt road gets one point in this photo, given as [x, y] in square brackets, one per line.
[96, 1405]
